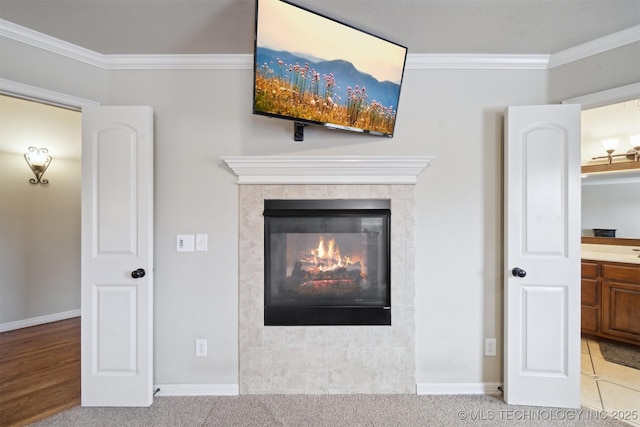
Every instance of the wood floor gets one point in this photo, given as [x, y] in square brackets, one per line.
[39, 371]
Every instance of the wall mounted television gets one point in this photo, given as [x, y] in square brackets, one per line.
[313, 69]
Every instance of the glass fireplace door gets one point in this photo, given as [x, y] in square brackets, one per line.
[327, 262]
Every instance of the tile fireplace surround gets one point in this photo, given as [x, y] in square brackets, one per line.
[326, 359]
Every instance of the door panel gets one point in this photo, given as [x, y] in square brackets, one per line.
[115, 213]
[544, 180]
[539, 329]
[115, 345]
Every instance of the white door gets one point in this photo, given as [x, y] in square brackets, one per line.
[542, 256]
[117, 256]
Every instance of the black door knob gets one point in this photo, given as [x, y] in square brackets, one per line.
[136, 274]
[518, 272]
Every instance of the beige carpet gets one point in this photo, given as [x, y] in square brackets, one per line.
[329, 410]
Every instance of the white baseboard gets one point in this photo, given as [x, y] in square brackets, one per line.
[40, 320]
[197, 389]
[458, 388]
[234, 389]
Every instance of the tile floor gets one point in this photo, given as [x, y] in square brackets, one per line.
[607, 386]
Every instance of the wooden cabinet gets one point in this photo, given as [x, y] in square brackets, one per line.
[611, 300]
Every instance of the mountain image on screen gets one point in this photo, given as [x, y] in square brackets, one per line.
[334, 92]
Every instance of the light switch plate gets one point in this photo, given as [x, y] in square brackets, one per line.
[185, 242]
[201, 347]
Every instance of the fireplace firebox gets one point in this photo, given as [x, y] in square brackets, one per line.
[327, 262]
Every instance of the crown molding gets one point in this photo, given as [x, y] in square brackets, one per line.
[476, 62]
[243, 61]
[178, 62]
[51, 44]
[594, 47]
[327, 169]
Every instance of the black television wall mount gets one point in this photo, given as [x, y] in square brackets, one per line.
[298, 131]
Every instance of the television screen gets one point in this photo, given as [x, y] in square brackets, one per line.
[315, 70]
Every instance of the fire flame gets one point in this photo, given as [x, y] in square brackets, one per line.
[326, 256]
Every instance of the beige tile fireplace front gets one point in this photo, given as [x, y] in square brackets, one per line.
[326, 359]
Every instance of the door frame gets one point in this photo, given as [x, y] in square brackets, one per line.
[56, 99]
[606, 97]
[49, 97]
[46, 96]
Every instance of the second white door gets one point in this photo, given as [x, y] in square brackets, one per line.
[542, 256]
[117, 256]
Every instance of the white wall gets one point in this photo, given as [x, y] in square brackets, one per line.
[200, 115]
[39, 224]
[37, 67]
[608, 70]
[454, 115]
[459, 217]
[611, 69]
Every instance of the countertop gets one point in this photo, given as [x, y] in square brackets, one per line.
[612, 253]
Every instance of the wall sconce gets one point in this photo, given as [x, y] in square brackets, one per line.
[38, 160]
[610, 145]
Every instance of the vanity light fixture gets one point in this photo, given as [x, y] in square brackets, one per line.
[635, 144]
[610, 145]
[38, 160]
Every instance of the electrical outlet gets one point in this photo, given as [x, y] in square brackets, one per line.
[490, 347]
[201, 347]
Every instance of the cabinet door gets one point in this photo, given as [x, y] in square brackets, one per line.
[621, 310]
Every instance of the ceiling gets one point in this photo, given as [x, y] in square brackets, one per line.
[112, 27]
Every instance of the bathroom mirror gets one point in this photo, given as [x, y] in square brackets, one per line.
[611, 186]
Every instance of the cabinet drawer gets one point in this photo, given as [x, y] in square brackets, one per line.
[589, 294]
[589, 270]
[621, 272]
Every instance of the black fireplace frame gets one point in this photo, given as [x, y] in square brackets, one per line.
[318, 315]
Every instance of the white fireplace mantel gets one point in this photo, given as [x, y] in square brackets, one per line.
[327, 169]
